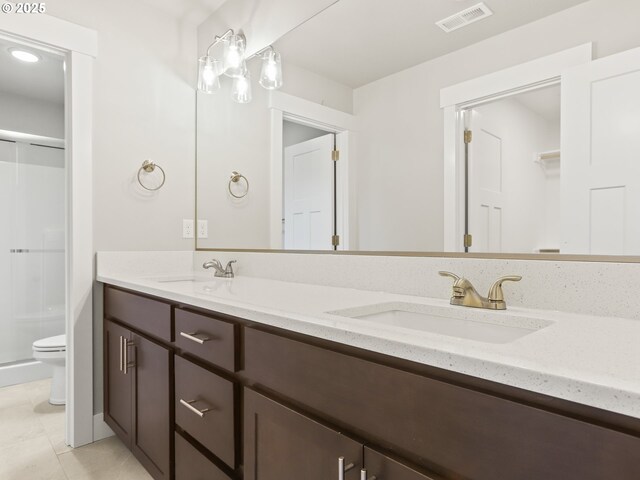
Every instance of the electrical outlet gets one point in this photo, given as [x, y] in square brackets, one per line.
[203, 229]
[187, 228]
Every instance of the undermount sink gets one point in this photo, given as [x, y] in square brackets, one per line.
[471, 324]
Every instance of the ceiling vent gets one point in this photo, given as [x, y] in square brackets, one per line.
[465, 17]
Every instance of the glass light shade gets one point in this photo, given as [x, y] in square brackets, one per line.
[271, 75]
[234, 52]
[209, 70]
[241, 89]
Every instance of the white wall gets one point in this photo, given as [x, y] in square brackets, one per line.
[294, 133]
[27, 115]
[303, 83]
[400, 145]
[144, 108]
[234, 137]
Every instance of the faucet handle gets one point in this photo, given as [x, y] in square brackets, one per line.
[449, 274]
[458, 292]
[495, 292]
[229, 267]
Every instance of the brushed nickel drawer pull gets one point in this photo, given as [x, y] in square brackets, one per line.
[363, 475]
[200, 413]
[342, 468]
[121, 365]
[193, 338]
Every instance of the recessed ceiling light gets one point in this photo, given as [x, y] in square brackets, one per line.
[24, 56]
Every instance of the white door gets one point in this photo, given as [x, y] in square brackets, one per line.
[308, 194]
[486, 197]
[600, 166]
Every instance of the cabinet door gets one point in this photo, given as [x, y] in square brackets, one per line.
[280, 443]
[117, 385]
[151, 442]
[381, 467]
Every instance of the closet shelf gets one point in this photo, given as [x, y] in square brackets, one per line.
[549, 161]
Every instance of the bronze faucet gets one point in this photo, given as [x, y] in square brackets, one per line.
[465, 295]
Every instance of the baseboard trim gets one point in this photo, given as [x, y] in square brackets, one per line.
[24, 372]
[100, 429]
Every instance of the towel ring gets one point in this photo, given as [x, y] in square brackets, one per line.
[149, 167]
[235, 178]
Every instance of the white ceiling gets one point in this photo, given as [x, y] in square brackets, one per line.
[43, 80]
[356, 42]
[543, 101]
[193, 11]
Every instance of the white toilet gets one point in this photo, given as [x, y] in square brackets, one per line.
[53, 351]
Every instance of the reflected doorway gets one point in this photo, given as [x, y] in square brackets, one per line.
[309, 193]
[513, 173]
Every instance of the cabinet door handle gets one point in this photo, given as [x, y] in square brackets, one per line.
[200, 413]
[121, 365]
[342, 468]
[193, 338]
[363, 475]
[125, 346]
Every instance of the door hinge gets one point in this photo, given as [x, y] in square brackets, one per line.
[468, 241]
[335, 240]
[335, 155]
[468, 136]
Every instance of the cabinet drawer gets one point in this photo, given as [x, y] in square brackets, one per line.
[456, 431]
[193, 465]
[208, 338]
[380, 466]
[144, 314]
[198, 390]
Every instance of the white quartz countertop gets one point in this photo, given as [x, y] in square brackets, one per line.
[586, 359]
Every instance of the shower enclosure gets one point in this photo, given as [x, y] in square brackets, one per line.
[32, 251]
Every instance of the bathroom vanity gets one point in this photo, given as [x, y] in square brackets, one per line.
[201, 384]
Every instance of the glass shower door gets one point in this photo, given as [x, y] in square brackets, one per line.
[32, 247]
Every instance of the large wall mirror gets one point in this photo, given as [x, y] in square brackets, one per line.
[509, 129]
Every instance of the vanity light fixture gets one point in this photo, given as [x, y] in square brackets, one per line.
[241, 89]
[24, 56]
[271, 75]
[234, 65]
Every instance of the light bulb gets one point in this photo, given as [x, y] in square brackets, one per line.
[241, 90]
[234, 52]
[233, 57]
[271, 75]
[271, 70]
[209, 74]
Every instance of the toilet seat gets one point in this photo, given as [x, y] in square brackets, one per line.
[51, 344]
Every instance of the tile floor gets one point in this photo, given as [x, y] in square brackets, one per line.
[32, 443]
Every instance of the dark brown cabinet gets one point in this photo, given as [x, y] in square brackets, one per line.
[193, 465]
[118, 408]
[138, 396]
[280, 443]
[201, 395]
[381, 467]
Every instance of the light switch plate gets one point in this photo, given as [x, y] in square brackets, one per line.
[187, 228]
[203, 229]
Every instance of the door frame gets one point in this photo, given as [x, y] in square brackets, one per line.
[283, 106]
[79, 46]
[455, 99]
